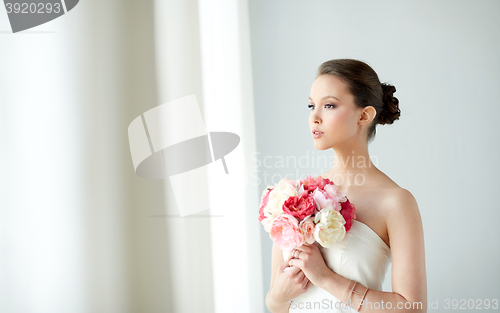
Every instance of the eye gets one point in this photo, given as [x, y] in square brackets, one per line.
[329, 106]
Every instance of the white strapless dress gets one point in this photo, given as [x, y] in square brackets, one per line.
[361, 256]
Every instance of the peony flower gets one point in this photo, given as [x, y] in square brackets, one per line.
[310, 184]
[300, 206]
[348, 212]
[307, 229]
[300, 212]
[329, 227]
[268, 223]
[263, 203]
[285, 232]
[324, 200]
[333, 193]
[285, 189]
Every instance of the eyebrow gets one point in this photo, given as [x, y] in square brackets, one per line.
[326, 97]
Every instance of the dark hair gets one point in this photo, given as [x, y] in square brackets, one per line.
[364, 85]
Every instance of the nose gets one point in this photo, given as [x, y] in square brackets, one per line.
[315, 117]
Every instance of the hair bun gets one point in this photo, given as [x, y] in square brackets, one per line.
[391, 111]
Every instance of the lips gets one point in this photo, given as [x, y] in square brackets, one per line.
[316, 133]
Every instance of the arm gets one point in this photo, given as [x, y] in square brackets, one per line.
[409, 284]
[284, 285]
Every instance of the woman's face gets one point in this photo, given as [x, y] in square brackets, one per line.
[333, 112]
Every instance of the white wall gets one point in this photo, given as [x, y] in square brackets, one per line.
[442, 56]
[79, 230]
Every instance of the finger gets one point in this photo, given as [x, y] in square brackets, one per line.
[303, 284]
[295, 263]
[300, 274]
[293, 270]
[297, 253]
[305, 280]
[285, 262]
[301, 248]
[305, 247]
[299, 279]
[301, 251]
[283, 266]
[308, 285]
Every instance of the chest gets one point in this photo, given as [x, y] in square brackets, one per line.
[370, 210]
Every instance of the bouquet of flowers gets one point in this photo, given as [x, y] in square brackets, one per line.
[304, 211]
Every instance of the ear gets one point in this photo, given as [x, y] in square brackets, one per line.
[367, 115]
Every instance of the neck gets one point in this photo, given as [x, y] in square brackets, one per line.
[351, 165]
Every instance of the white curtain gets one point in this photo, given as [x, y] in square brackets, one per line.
[79, 230]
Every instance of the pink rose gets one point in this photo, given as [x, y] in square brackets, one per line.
[263, 204]
[310, 184]
[300, 206]
[285, 232]
[349, 213]
[307, 229]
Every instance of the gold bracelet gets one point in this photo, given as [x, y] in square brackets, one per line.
[362, 299]
[355, 291]
[350, 293]
[345, 290]
[358, 293]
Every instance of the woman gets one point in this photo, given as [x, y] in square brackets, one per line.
[347, 101]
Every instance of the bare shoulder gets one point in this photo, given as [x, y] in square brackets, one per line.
[401, 207]
[395, 199]
[399, 198]
[397, 206]
[401, 214]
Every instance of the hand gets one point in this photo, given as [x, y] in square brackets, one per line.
[310, 260]
[288, 284]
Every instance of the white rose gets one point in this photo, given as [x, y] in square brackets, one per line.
[329, 227]
[281, 192]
